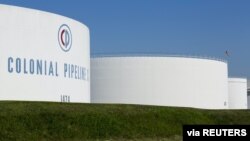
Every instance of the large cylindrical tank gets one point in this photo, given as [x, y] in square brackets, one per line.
[43, 56]
[160, 80]
[248, 94]
[237, 93]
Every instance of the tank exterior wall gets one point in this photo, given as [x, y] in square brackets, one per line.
[248, 101]
[237, 93]
[164, 81]
[44, 56]
[248, 93]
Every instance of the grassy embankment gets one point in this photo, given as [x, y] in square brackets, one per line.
[31, 121]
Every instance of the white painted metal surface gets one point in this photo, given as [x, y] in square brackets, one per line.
[237, 93]
[167, 81]
[43, 56]
[248, 94]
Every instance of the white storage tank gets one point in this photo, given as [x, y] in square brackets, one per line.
[237, 93]
[43, 56]
[160, 80]
[248, 94]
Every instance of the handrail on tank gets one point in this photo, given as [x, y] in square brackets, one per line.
[158, 55]
[237, 77]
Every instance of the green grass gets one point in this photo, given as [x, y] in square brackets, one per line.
[29, 121]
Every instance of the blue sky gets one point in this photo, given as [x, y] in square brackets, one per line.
[186, 27]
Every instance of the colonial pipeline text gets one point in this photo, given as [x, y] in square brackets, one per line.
[46, 68]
